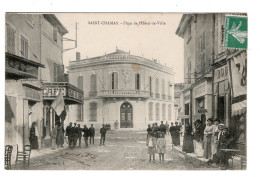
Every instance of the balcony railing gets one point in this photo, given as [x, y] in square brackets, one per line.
[157, 95]
[71, 94]
[125, 93]
[169, 97]
[151, 94]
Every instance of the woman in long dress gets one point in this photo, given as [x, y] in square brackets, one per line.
[60, 136]
[187, 140]
[34, 136]
[207, 138]
[161, 145]
[214, 137]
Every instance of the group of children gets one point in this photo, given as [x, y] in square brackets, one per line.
[156, 143]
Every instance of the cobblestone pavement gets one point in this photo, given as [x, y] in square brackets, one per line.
[123, 150]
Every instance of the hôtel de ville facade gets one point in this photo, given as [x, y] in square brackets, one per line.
[122, 87]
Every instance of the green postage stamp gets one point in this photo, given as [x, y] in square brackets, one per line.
[235, 34]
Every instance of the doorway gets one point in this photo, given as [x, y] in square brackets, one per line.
[221, 109]
[126, 115]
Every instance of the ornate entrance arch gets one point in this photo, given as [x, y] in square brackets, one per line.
[126, 115]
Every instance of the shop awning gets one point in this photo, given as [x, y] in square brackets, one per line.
[239, 108]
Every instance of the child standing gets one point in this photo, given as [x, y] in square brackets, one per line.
[151, 143]
[161, 145]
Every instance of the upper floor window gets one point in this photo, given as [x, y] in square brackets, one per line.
[93, 85]
[137, 81]
[24, 47]
[202, 52]
[156, 85]
[114, 81]
[80, 82]
[10, 40]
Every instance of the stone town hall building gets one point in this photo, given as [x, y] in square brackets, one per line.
[124, 87]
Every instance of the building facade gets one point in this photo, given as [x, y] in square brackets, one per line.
[33, 62]
[122, 87]
[215, 77]
[197, 30]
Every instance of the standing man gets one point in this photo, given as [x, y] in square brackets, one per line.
[172, 129]
[91, 133]
[74, 132]
[69, 134]
[103, 132]
[163, 127]
[85, 135]
[176, 134]
[79, 131]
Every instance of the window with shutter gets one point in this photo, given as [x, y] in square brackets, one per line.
[80, 112]
[10, 40]
[55, 34]
[93, 85]
[114, 81]
[137, 81]
[80, 82]
[24, 47]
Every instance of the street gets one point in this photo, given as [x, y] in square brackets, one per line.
[123, 150]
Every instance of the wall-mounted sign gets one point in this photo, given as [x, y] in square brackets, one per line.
[221, 73]
[54, 91]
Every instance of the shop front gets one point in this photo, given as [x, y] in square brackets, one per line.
[221, 94]
[202, 100]
[71, 95]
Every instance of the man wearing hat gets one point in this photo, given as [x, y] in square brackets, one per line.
[103, 132]
[79, 131]
[91, 134]
[69, 134]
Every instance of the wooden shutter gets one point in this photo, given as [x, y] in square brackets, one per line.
[150, 111]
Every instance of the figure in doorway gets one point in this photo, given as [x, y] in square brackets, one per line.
[34, 136]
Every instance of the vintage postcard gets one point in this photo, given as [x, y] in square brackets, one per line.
[125, 91]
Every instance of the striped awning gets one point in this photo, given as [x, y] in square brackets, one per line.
[239, 108]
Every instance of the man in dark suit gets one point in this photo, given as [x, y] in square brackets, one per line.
[85, 135]
[74, 132]
[163, 127]
[91, 134]
[103, 132]
[69, 134]
[79, 131]
[172, 130]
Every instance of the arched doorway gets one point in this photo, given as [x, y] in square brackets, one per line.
[126, 115]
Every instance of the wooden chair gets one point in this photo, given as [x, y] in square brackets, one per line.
[8, 156]
[24, 156]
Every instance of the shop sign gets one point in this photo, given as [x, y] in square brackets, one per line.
[54, 91]
[32, 94]
[221, 74]
[75, 94]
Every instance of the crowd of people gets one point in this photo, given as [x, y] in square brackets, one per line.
[204, 140]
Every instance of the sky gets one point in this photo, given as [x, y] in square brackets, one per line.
[100, 33]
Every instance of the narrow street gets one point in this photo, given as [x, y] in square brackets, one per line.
[124, 150]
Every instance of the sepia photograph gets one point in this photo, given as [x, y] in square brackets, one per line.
[125, 91]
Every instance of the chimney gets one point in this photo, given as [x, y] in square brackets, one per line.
[77, 56]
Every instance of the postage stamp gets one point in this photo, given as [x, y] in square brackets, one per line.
[235, 34]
